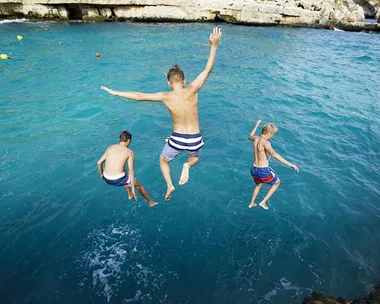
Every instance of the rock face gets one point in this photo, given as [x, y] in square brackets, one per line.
[317, 298]
[370, 7]
[309, 13]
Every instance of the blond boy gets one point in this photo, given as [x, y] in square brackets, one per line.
[260, 171]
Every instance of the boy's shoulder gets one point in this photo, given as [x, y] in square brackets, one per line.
[129, 152]
[111, 147]
[263, 142]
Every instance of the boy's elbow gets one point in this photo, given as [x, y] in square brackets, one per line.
[140, 97]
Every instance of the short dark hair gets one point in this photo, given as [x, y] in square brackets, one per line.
[176, 74]
[125, 136]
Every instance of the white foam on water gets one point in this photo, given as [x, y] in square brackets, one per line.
[118, 255]
[138, 297]
[107, 256]
[14, 21]
[270, 294]
[285, 286]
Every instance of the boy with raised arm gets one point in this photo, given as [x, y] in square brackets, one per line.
[115, 157]
[182, 103]
[261, 172]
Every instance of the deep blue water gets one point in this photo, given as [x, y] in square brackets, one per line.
[67, 237]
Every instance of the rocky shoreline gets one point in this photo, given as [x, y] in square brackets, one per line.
[342, 14]
[317, 298]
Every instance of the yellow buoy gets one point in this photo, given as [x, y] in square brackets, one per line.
[20, 37]
[4, 56]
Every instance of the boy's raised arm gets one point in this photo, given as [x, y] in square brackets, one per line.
[160, 96]
[252, 135]
[198, 83]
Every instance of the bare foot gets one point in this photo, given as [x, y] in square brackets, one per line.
[152, 204]
[185, 174]
[130, 195]
[264, 205]
[169, 193]
[252, 204]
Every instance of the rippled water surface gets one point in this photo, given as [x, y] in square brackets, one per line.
[67, 237]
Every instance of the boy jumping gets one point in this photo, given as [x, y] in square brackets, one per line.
[182, 103]
[261, 172]
[116, 156]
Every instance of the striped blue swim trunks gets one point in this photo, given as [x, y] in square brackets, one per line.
[188, 142]
[177, 142]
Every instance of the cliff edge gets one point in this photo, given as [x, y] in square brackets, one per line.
[317, 298]
[344, 14]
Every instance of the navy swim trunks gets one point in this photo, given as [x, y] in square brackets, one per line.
[117, 180]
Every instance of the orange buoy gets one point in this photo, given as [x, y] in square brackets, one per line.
[97, 55]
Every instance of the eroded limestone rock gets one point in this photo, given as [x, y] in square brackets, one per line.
[312, 13]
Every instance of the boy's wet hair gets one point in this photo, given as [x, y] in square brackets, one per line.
[269, 128]
[125, 136]
[175, 74]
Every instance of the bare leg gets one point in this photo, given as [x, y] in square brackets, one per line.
[269, 194]
[129, 192]
[145, 194]
[191, 161]
[165, 169]
[254, 195]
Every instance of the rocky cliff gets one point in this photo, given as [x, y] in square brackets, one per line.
[311, 13]
[370, 7]
[317, 298]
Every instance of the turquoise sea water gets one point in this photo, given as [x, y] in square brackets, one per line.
[67, 237]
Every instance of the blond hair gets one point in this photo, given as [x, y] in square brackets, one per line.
[269, 128]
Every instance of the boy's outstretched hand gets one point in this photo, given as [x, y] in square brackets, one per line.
[107, 90]
[258, 123]
[293, 166]
[215, 36]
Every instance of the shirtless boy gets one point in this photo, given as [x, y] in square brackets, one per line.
[261, 172]
[115, 157]
[182, 103]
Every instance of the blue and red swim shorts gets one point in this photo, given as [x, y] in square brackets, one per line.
[264, 175]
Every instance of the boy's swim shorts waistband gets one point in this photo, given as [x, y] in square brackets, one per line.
[121, 179]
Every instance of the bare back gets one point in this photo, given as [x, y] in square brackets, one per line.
[260, 153]
[116, 158]
[183, 107]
